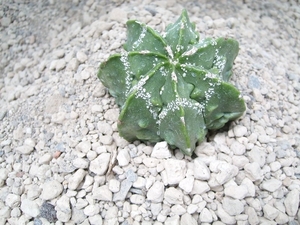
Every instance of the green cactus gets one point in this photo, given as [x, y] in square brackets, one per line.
[172, 87]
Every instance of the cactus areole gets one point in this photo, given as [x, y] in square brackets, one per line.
[172, 87]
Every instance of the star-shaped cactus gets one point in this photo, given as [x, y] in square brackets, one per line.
[172, 87]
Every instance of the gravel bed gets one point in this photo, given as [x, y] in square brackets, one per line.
[62, 159]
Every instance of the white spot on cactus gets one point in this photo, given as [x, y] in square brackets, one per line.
[182, 120]
[140, 39]
[190, 52]
[170, 52]
[174, 76]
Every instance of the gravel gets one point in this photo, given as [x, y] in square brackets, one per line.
[63, 161]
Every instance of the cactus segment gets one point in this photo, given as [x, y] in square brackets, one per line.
[172, 87]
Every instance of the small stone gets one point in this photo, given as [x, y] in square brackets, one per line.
[84, 146]
[5, 21]
[161, 151]
[187, 184]
[257, 155]
[91, 210]
[156, 193]
[12, 200]
[114, 185]
[201, 171]
[76, 179]
[59, 53]
[51, 189]
[282, 218]
[80, 163]
[48, 212]
[250, 186]
[224, 216]
[173, 220]
[253, 171]
[45, 159]
[137, 199]
[81, 56]
[237, 148]
[104, 128]
[291, 202]
[175, 170]
[150, 162]
[99, 165]
[240, 161]
[125, 187]
[58, 118]
[239, 130]
[111, 213]
[102, 193]
[123, 157]
[200, 187]
[264, 139]
[205, 216]
[237, 192]
[86, 73]
[252, 215]
[73, 65]
[118, 14]
[99, 90]
[275, 166]
[30, 208]
[173, 196]
[225, 171]
[96, 219]
[178, 209]
[270, 212]
[187, 219]
[271, 185]
[63, 203]
[60, 65]
[232, 206]
[25, 149]
[112, 114]
[63, 216]
[207, 148]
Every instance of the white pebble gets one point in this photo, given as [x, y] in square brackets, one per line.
[271, 185]
[187, 184]
[137, 199]
[173, 196]
[205, 216]
[156, 192]
[232, 206]
[236, 192]
[123, 157]
[239, 130]
[81, 56]
[30, 208]
[51, 189]
[253, 171]
[12, 200]
[201, 171]
[188, 219]
[175, 170]
[200, 187]
[161, 151]
[99, 165]
[76, 179]
[291, 202]
[270, 212]
[102, 193]
[91, 210]
[114, 185]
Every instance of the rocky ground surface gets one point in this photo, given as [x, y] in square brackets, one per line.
[62, 160]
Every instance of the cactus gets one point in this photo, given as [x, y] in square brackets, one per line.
[172, 87]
